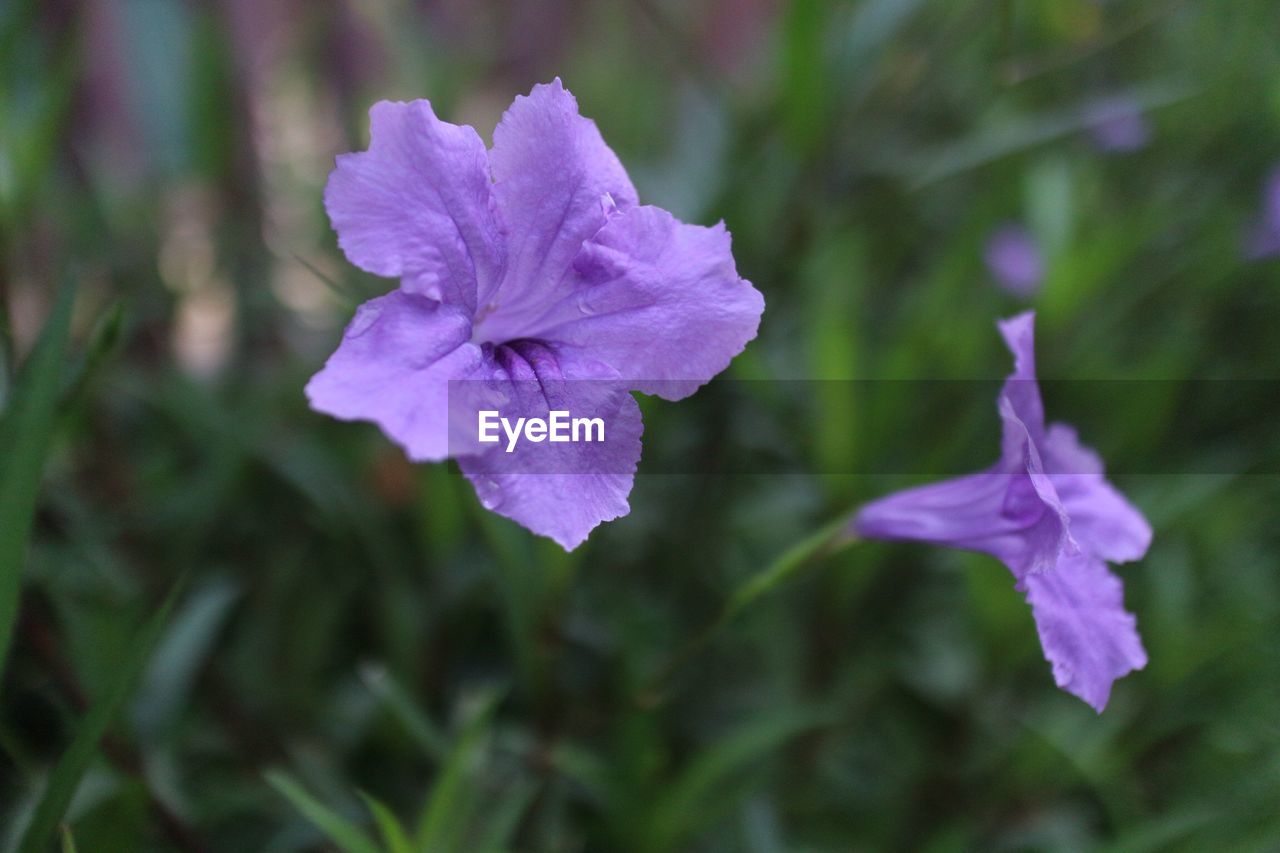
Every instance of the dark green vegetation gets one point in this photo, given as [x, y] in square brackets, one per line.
[355, 651]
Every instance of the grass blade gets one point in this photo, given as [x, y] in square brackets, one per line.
[26, 432]
[186, 645]
[104, 340]
[712, 783]
[75, 761]
[393, 834]
[342, 832]
[503, 818]
[447, 806]
[400, 704]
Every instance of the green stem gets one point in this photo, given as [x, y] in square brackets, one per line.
[826, 541]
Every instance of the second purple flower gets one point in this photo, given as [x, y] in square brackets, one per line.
[1046, 511]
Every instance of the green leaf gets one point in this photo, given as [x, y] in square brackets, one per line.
[104, 340]
[382, 684]
[26, 432]
[711, 784]
[180, 654]
[66, 776]
[342, 832]
[503, 818]
[825, 540]
[68, 841]
[393, 834]
[807, 99]
[1005, 135]
[443, 819]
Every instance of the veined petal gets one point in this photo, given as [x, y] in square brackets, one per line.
[1020, 388]
[559, 490]
[555, 181]
[393, 367]
[995, 512]
[1035, 499]
[660, 301]
[1102, 520]
[418, 205]
[1087, 635]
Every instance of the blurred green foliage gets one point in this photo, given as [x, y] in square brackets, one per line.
[365, 659]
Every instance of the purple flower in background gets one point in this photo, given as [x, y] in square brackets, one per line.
[1263, 240]
[530, 271]
[1015, 261]
[1046, 511]
[1117, 125]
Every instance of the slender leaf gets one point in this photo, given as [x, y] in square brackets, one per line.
[26, 432]
[394, 834]
[706, 787]
[401, 705]
[75, 761]
[997, 139]
[503, 818]
[177, 660]
[104, 340]
[342, 832]
[443, 818]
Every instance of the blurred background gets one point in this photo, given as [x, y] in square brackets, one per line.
[244, 626]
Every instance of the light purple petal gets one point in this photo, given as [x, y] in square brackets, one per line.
[1263, 238]
[418, 205]
[555, 182]
[1271, 201]
[1032, 496]
[1021, 388]
[995, 512]
[1118, 125]
[658, 300]
[1087, 635]
[565, 490]
[1261, 242]
[393, 367]
[1014, 260]
[1102, 520]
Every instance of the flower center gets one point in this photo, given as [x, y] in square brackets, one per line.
[478, 333]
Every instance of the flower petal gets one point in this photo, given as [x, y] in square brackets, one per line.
[1087, 635]
[418, 205]
[559, 490]
[393, 368]
[555, 181]
[1034, 498]
[660, 301]
[994, 512]
[1102, 520]
[1021, 388]
[1015, 260]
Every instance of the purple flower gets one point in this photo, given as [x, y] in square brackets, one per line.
[1263, 240]
[1118, 125]
[1014, 260]
[1046, 511]
[530, 275]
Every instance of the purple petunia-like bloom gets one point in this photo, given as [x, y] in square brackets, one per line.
[1263, 239]
[1117, 125]
[531, 273]
[1014, 260]
[1047, 512]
